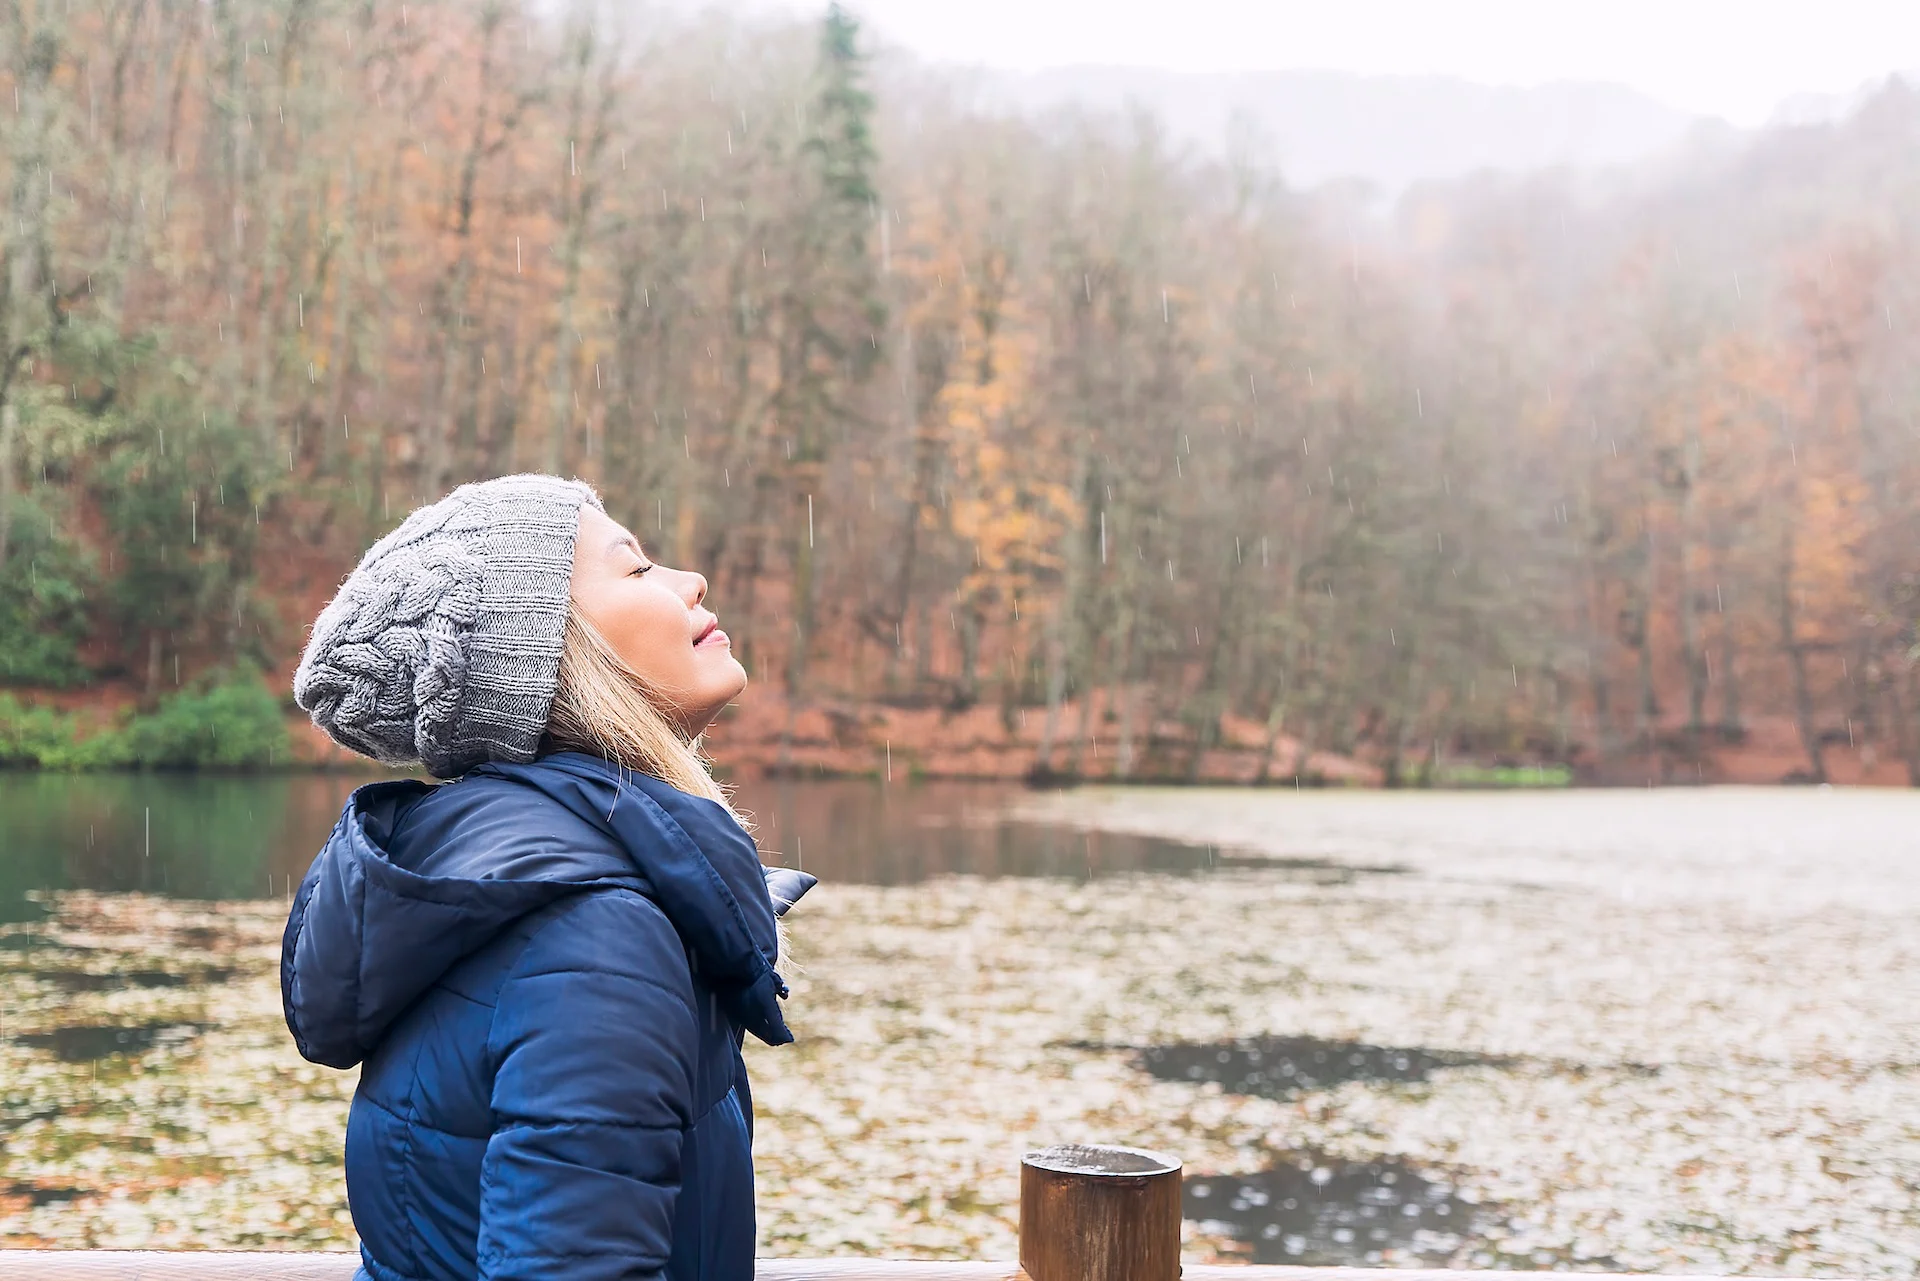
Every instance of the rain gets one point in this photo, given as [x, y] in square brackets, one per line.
[1476, 828]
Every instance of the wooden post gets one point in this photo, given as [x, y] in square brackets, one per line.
[1091, 1213]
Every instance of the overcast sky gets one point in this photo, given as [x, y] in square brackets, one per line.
[1733, 58]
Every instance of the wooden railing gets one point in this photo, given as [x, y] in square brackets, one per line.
[180, 1265]
[1086, 1214]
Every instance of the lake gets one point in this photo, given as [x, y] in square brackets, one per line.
[203, 836]
[1632, 1030]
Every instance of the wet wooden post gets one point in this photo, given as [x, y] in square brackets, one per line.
[1094, 1213]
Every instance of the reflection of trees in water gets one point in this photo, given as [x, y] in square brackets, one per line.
[187, 835]
[253, 836]
[865, 831]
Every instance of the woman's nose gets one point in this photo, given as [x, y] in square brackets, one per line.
[700, 587]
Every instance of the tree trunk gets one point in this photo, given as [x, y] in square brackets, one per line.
[1904, 735]
[1276, 722]
[9, 432]
[967, 683]
[340, 360]
[560, 442]
[923, 645]
[808, 477]
[26, 324]
[152, 694]
[232, 119]
[579, 193]
[1056, 689]
[1601, 691]
[1090, 682]
[1796, 654]
[1210, 696]
[1119, 690]
[1124, 753]
[1731, 724]
[1692, 651]
[1647, 713]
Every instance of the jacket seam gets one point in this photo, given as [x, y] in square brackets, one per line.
[730, 1092]
[293, 972]
[572, 1123]
[493, 1078]
[573, 902]
[405, 1198]
[471, 1000]
[497, 1255]
[647, 979]
[377, 1105]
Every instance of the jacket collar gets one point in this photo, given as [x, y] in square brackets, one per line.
[699, 865]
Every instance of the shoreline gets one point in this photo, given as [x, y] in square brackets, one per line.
[1048, 783]
[849, 739]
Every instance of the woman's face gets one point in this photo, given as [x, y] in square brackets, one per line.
[653, 619]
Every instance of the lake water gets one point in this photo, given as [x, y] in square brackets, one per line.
[1673, 1031]
[234, 837]
[210, 842]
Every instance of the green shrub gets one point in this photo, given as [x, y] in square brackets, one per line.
[230, 724]
[181, 516]
[1505, 776]
[43, 601]
[32, 735]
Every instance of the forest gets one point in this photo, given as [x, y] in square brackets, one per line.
[1611, 471]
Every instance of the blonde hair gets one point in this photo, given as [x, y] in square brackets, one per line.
[604, 708]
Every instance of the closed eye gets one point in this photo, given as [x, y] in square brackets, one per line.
[636, 573]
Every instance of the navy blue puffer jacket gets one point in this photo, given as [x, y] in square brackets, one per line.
[546, 971]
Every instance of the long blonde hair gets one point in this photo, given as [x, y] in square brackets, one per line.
[604, 708]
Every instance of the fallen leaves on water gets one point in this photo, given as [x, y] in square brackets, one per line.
[1709, 1044]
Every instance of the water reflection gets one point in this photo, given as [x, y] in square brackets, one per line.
[1323, 1211]
[88, 1043]
[1315, 1208]
[115, 981]
[1279, 1067]
[182, 835]
[253, 836]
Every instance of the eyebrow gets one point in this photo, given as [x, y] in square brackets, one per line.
[627, 540]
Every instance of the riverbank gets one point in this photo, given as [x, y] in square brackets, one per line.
[241, 724]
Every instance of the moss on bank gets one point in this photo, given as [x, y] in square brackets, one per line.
[230, 721]
[1505, 776]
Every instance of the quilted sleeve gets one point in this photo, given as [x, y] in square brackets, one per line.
[594, 1039]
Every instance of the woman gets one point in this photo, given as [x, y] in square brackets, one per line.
[545, 967]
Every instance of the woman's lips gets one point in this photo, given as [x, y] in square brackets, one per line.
[714, 637]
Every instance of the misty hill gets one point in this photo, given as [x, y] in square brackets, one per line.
[1829, 108]
[1390, 130]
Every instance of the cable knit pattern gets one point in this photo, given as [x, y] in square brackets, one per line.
[443, 646]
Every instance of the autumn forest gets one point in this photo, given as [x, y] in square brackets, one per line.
[1038, 417]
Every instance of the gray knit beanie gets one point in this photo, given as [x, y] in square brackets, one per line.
[443, 646]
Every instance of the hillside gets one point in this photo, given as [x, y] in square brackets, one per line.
[1389, 131]
[1033, 439]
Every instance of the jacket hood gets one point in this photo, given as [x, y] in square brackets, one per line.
[415, 877]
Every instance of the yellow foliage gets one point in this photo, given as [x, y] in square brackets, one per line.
[1005, 507]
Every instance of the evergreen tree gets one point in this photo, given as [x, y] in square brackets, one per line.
[832, 311]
